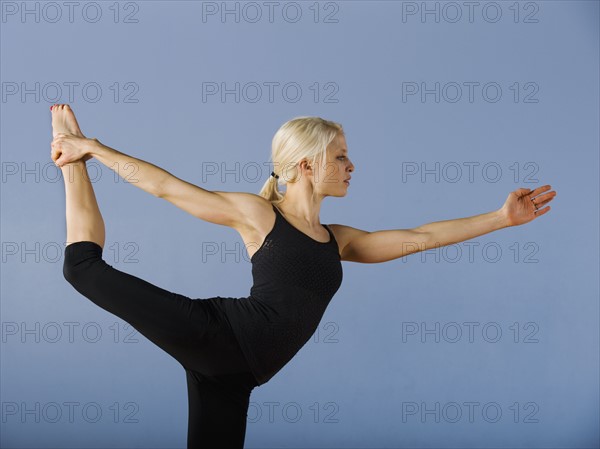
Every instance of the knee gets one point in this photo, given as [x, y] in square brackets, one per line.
[79, 258]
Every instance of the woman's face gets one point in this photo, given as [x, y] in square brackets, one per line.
[334, 178]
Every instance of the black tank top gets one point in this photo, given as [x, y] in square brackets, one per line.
[295, 277]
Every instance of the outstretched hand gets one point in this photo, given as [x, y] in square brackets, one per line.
[524, 205]
[67, 148]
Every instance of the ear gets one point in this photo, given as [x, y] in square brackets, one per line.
[305, 165]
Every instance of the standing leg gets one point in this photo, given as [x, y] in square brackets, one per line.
[218, 409]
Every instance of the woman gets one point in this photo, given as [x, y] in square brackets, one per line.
[228, 346]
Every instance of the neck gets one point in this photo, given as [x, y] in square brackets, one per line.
[297, 203]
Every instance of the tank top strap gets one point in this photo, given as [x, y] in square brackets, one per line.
[332, 239]
[331, 236]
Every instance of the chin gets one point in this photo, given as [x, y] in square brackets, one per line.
[338, 192]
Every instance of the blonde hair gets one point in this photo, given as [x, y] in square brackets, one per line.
[299, 138]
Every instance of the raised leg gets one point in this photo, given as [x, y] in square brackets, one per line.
[171, 321]
[191, 330]
[167, 319]
[84, 221]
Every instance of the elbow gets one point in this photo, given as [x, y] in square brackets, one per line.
[157, 190]
[161, 185]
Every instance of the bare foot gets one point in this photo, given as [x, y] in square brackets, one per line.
[63, 121]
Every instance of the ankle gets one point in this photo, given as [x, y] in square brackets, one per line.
[78, 163]
[74, 170]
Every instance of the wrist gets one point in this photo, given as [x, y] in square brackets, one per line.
[503, 218]
[94, 148]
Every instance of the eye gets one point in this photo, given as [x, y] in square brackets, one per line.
[342, 157]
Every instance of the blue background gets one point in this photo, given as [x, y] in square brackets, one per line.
[352, 384]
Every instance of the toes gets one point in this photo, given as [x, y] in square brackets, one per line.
[60, 107]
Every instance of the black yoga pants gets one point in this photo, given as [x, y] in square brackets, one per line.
[192, 331]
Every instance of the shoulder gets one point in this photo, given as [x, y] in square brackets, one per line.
[254, 214]
[248, 207]
[256, 218]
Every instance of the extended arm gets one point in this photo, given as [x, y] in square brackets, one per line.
[447, 232]
[382, 246]
[522, 206]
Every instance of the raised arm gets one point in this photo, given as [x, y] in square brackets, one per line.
[224, 208]
[234, 209]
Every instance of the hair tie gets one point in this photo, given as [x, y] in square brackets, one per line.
[273, 174]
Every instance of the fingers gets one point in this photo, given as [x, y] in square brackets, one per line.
[540, 190]
[56, 152]
[58, 140]
[58, 158]
[545, 198]
[62, 153]
[542, 200]
[61, 158]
